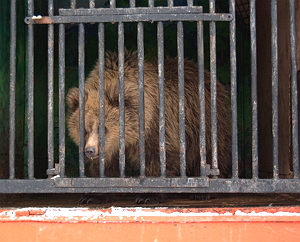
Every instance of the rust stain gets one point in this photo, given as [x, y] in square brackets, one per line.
[43, 20]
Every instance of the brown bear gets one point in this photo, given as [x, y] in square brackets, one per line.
[151, 96]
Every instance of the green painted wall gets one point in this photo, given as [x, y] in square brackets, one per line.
[4, 87]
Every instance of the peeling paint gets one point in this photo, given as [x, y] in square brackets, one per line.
[253, 213]
[153, 215]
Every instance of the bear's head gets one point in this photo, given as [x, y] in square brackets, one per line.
[112, 117]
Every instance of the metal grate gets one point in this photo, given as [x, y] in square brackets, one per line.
[207, 180]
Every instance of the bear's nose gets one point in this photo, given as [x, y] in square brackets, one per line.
[90, 152]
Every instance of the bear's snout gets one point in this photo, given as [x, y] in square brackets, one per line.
[90, 152]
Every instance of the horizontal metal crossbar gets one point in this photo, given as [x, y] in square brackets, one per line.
[133, 182]
[215, 185]
[128, 18]
[127, 11]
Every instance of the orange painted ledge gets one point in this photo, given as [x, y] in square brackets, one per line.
[150, 224]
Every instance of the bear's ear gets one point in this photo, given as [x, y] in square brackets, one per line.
[72, 99]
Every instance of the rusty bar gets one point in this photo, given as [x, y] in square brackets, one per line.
[44, 20]
[128, 17]
[30, 114]
[101, 66]
[121, 98]
[274, 41]
[141, 57]
[294, 94]
[202, 138]
[213, 86]
[61, 110]
[50, 93]
[254, 89]
[161, 76]
[81, 57]
[12, 94]
[182, 143]
[235, 169]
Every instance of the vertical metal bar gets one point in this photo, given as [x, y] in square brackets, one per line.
[50, 7]
[62, 143]
[161, 77]
[112, 3]
[190, 3]
[81, 58]
[213, 71]
[180, 52]
[254, 89]
[294, 90]
[92, 3]
[30, 114]
[141, 56]
[151, 3]
[202, 138]
[235, 170]
[73, 4]
[101, 99]
[121, 98]
[50, 92]
[274, 87]
[12, 94]
[170, 3]
[132, 3]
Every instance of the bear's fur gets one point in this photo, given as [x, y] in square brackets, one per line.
[151, 118]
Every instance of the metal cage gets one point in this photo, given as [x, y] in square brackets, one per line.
[208, 181]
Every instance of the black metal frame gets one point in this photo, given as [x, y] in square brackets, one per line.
[60, 184]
